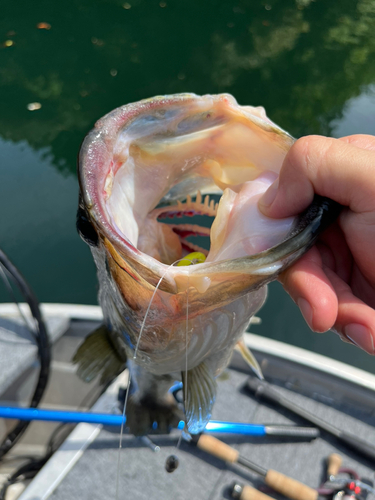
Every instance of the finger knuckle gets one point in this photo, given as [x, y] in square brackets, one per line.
[311, 158]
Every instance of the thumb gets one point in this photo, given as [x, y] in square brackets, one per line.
[328, 167]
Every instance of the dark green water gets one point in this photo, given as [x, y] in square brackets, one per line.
[309, 63]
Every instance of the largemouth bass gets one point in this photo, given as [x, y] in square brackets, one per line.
[161, 159]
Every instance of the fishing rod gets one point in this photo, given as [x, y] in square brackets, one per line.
[213, 426]
[263, 390]
[289, 487]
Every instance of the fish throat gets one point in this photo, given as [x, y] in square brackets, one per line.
[201, 206]
[167, 163]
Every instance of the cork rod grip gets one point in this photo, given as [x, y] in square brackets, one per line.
[289, 487]
[333, 464]
[217, 448]
[249, 493]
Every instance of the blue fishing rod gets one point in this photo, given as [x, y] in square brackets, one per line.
[213, 426]
[205, 441]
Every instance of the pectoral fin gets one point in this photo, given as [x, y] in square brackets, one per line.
[199, 388]
[249, 358]
[97, 356]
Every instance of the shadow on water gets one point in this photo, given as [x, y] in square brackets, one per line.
[309, 63]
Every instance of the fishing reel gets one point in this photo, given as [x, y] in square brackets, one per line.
[344, 483]
[348, 488]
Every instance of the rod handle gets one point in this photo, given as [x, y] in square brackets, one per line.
[334, 462]
[250, 493]
[289, 487]
[217, 448]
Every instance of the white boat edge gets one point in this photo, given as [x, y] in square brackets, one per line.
[256, 342]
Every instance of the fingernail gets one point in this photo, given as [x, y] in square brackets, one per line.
[306, 311]
[267, 199]
[360, 336]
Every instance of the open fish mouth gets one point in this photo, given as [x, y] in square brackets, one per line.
[170, 157]
[173, 150]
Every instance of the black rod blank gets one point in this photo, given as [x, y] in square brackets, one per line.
[262, 389]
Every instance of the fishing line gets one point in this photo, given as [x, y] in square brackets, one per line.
[129, 381]
[172, 461]
[186, 341]
[186, 358]
[152, 298]
[121, 436]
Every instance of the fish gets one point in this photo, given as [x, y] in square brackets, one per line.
[143, 167]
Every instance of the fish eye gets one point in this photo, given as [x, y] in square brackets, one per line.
[85, 228]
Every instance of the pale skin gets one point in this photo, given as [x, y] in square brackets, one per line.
[333, 283]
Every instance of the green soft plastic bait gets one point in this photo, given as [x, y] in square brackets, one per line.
[192, 258]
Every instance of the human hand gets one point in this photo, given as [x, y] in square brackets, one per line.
[334, 282]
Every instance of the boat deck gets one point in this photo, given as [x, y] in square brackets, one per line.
[86, 465]
[200, 476]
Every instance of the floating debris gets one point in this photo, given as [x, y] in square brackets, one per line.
[33, 106]
[8, 43]
[171, 463]
[113, 72]
[11, 33]
[230, 25]
[43, 26]
[181, 76]
[127, 6]
[162, 4]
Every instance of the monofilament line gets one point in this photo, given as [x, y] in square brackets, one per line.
[186, 357]
[149, 305]
[141, 331]
[186, 343]
[121, 435]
